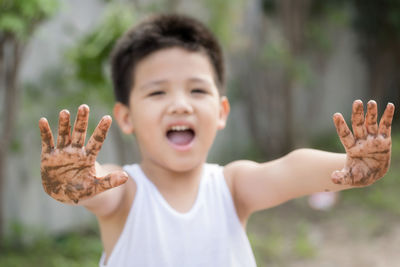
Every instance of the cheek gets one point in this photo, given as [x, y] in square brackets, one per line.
[146, 139]
[212, 116]
[210, 122]
[147, 124]
[143, 114]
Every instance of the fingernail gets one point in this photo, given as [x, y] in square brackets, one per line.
[107, 117]
[84, 107]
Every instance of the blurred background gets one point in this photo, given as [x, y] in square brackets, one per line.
[290, 64]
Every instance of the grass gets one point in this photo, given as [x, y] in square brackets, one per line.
[303, 246]
[75, 249]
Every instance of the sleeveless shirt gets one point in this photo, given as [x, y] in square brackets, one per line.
[156, 235]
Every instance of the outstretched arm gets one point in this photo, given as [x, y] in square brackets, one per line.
[69, 171]
[305, 171]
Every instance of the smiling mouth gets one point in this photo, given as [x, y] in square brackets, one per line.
[180, 135]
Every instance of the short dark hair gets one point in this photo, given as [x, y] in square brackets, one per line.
[156, 33]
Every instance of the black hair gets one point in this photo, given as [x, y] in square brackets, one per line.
[156, 33]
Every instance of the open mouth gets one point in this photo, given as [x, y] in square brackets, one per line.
[180, 135]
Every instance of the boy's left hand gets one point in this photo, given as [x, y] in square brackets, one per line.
[368, 148]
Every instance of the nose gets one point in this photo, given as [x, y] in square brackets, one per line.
[180, 104]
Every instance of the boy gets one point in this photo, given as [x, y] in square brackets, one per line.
[173, 209]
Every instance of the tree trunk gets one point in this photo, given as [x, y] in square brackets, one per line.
[382, 70]
[269, 101]
[288, 131]
[293, 16]
[9, 72]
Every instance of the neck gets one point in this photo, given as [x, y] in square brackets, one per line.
[172, 180]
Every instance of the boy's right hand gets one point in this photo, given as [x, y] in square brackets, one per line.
[68, 170]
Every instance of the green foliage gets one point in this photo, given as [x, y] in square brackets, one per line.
[328, 142]
[268, 6]
[69, 250]
[377, 20]
[222, 16]
[303, 247]
[320, 9]
[19, 17]
[298, 68]
[86, 74]
[267, 247]
[321, 20]
[89, 58]
[320, 28]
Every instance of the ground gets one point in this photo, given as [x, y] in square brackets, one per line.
[347, 236]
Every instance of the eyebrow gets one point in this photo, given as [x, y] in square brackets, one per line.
[161, 82]
[152, 83]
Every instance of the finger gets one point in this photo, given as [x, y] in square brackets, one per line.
[109, 181]
[46, 135]
[340, 177]
[357, 120]
[96, 140]
[345, 135]
[64, 129]
[371, 118]
[80, 126]
[385, 125]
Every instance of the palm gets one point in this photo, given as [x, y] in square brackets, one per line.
[368, 148]
[68, 170]
[65, 174]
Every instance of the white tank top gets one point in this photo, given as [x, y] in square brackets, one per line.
[156, 235]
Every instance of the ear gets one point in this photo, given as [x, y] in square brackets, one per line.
[122, 115]
[223, 112]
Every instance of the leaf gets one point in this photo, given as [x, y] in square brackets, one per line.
[10, 23]
[89, 58]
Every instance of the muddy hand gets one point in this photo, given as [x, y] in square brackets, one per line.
[368, 148]
[68, 169]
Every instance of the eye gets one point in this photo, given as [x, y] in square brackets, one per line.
[156, 93]
[199, 91]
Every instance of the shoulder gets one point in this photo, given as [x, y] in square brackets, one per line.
[238, 169]
[235, 175]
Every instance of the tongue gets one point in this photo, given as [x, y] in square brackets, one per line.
[180, 138]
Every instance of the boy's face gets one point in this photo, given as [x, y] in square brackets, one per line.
[174, 109]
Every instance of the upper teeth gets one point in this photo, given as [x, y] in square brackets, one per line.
[179, 128]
